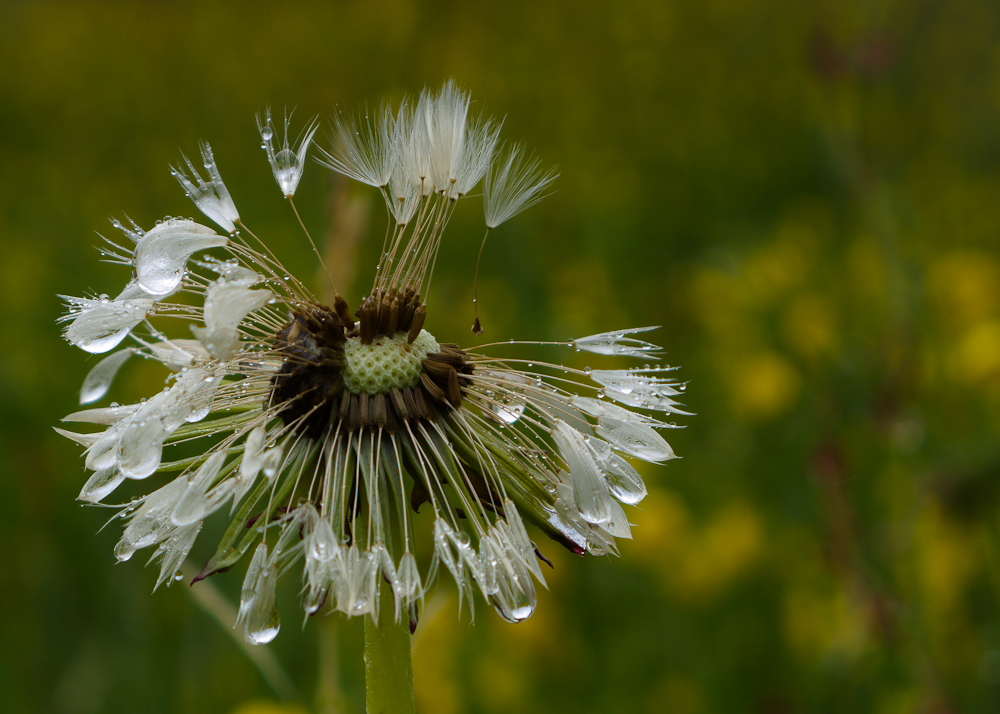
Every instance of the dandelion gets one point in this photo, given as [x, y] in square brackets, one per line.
[326, 433]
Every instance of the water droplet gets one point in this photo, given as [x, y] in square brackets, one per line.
[286, 159]
[265, 632]
[519, 614]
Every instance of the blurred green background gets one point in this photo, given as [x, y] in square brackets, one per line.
[806, 195]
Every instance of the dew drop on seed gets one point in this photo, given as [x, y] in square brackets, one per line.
[262, 633]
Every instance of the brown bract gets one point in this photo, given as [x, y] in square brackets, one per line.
[310, 384]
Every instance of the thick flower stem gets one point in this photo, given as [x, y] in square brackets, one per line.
[388, 670]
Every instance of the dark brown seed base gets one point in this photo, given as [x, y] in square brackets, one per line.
[310, 386]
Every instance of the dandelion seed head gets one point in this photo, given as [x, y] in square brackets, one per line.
[327, 430]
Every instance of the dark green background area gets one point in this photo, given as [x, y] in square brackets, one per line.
[806, 195]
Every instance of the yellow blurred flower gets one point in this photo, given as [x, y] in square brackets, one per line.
[663, 520]
[976, 356]
[964, 286]
[947, 561]
[763, 385]
[728, 546]
[697, 563]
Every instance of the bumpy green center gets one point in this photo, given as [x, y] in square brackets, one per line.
[386, 362]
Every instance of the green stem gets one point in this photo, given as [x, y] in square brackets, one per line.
[388, 670]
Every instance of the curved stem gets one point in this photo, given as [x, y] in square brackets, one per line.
[388, 669]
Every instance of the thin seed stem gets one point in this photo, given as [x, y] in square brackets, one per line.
[313, 244]
[477, 326]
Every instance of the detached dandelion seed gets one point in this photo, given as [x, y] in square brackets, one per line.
[287, 163]
[325, 432]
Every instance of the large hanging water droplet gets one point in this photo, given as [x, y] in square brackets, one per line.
[286, 159]
[98, 381]
[260, 633]
[101, 484]
[519, 614]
